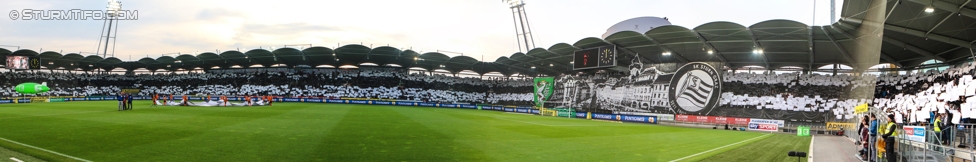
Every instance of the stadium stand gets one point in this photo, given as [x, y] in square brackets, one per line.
[748, 94]
[745, 95]
[809, 96]
[913, 97]
[374, 83]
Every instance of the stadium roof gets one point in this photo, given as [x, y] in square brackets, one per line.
[911, 36]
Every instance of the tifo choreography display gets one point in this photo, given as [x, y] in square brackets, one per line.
[364, 82]
[646, 90]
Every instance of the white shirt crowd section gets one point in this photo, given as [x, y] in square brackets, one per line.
[366, 75]
[841, 108]
[932, 91]
[327, 91]
[76, 91]
[800, 79]
[495, 97]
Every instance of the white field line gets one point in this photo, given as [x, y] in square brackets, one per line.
[810, 152]
[502, 118]
[35, 147]
[693, 155]
[519, 113]
[55, 114]
[15, 159]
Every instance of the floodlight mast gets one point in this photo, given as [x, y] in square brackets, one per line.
[522, 29]
[112, 11]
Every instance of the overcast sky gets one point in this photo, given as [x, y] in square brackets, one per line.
[474, 27]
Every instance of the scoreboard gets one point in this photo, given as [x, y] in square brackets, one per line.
[22, 62]
[599, 57]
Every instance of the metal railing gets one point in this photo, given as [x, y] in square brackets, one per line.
[931, 150]
[964, 135]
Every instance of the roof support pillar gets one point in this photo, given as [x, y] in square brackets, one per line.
[810, 45]
[849, 36]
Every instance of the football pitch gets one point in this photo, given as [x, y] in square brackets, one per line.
[95, 131]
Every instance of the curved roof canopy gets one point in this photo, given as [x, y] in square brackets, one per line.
[911, 36]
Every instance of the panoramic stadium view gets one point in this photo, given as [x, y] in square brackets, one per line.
[448, 80]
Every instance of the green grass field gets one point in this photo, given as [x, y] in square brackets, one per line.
[94, 131]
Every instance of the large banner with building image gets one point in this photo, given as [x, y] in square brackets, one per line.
[696, 88]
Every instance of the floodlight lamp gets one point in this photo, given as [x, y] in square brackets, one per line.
[114, 5]
[929, 9]
[711, 52]
[533, 67]
[550, 64]
[514, 3]
[666, 53]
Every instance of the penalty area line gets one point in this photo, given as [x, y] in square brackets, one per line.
[15, 159]
[38, 148]
[693, 155]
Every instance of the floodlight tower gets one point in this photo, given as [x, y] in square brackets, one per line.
[111, 13]
[833, 6]
[522, 29]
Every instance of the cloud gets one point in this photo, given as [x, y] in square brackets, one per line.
[474, 28]
[212, 14]
[285, 29]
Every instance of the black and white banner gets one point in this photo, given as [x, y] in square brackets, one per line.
[668, 88]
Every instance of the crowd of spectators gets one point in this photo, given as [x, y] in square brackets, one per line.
[910, 95]
[922, 96]
[912, 98]
[834, 94]
[367, 82]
